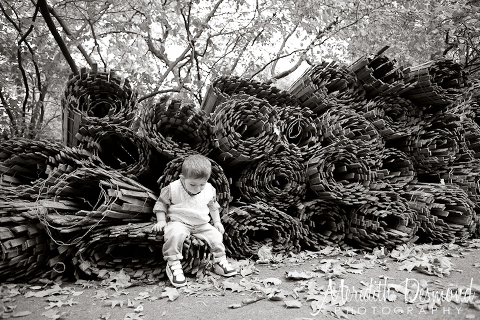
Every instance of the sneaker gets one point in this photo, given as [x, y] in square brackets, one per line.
[175, 274]
[224, 268]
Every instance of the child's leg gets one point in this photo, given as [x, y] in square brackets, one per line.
[214, 239]
[174, 236]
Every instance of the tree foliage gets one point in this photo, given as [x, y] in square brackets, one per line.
[180, 46]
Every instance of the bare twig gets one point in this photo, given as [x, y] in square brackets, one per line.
[302, 54]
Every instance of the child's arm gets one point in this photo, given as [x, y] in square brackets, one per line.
[160, 209]
[216, 221]
[215, 214]
[161, 221]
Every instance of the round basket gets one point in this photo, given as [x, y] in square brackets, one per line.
[251, 226]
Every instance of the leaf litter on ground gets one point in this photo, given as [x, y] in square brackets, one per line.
[332, 264]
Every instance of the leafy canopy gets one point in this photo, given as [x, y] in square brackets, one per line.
[180, 47]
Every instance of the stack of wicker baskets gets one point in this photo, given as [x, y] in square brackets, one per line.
[366, 155]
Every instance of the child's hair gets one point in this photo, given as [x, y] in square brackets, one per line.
[196, 167]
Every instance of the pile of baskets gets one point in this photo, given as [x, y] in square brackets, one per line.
[366, 155]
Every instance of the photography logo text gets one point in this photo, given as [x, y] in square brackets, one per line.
[418, 297]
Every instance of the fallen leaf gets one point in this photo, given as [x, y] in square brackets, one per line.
[247, 270]
[9, 309]
[70, 302]
[475, 287]
[142, 295]
[279, 295]
[117, 280]
[253, 299]
[475, 243]
[21, 314]
[153, 298]
[56, 289]
[391, 297]
[114, 303]
[13, 292]
[356, 265]
[399, 288]
[57, 304]
[133, 316]
[351, 252]
[401, 253]
[57, 298]
[100, 294]
[293, 303]
[274, 281]
[355, 271]
[105, 316]
[339, 312]
[331, 267]
[265, 253]
[118, 293]
[432, 265]
[235, 287]
[53, 314]
[171, 293]
[320, 301]
[276, 298]
[379, 252]
[329, 250]
[295, 275]
[36, 287]
[251, 285]
[408, 266]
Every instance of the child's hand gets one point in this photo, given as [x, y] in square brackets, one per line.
[219, 227]
[159, 226]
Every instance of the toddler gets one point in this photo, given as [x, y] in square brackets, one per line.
[184, 208]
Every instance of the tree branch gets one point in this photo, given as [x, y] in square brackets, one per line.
[69, 33]
[97, 46]
[20, 60]
[11, 116]
[53, 30]
[159, 53]
[35, 64]
[153, 94]
[182, 56]
[282, 46]
[300, 59]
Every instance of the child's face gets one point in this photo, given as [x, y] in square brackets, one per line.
[194, 186]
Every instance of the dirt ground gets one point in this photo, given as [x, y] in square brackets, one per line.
[419, 282]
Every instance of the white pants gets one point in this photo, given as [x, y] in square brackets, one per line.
[175, 233]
